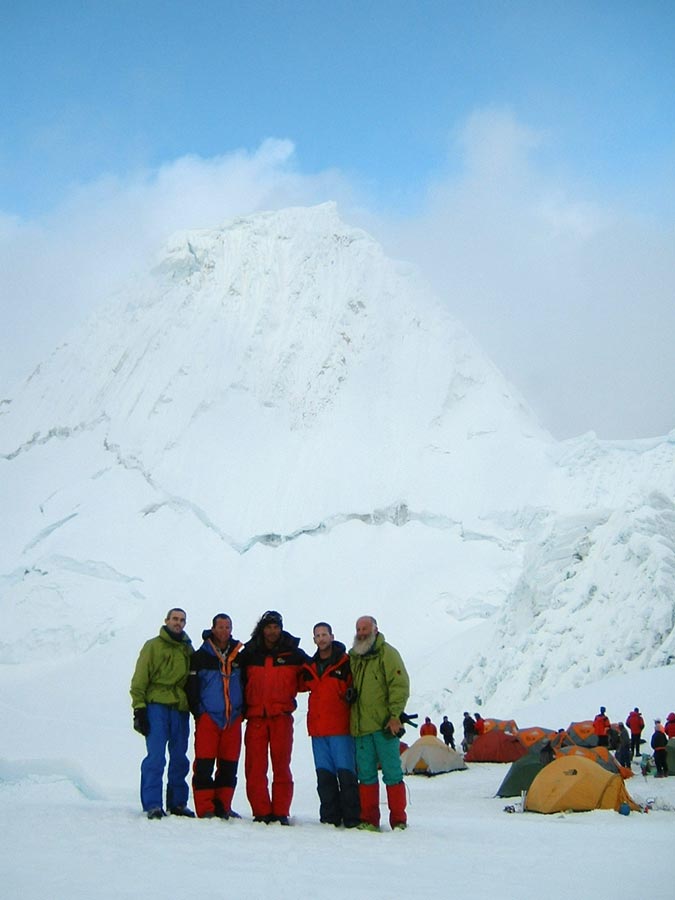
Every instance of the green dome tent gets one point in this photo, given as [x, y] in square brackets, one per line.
[521, 775]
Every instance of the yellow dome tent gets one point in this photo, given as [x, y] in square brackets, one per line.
[578, 784]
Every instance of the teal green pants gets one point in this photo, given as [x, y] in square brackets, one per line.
[378, 747]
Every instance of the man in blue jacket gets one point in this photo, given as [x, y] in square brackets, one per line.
[215, 694]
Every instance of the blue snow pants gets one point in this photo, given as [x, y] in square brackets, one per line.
[168, 727]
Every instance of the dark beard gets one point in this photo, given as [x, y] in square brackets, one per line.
[361, 647]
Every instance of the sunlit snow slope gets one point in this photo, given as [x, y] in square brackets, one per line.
[278, 415]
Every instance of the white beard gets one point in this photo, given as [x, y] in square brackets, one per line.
[364, 645]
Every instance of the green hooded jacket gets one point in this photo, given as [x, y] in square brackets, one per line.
[382, 686]
[162, 671]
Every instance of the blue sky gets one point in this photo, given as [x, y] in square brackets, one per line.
[401, 112]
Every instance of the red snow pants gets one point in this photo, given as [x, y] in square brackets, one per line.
[269, 738]
[220, 747]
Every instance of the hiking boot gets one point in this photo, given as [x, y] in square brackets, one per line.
[231, 814]
[182, 810]
[264, 819]
[282, 820]
[367, 826]
[399, 826]
[156, 813]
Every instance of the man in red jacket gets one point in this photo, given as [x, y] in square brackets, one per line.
[271, 661]
[327, 676]
[428, 729]
[635, 724]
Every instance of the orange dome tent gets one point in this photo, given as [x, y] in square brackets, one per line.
[576, 784]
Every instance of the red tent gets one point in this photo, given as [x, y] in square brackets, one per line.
[495, 746]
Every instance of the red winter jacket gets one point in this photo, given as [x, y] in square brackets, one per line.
[328, 709]
[635, 722]
[601, 724]
[271, 676]
[669, 727]
[428, 729]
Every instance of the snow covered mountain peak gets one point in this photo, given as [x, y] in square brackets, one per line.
[279, 413]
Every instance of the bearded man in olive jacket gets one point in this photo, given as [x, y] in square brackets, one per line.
[161, 715]
[382, 688]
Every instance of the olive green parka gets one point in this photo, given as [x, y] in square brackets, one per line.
[162, 671]
[382, 687]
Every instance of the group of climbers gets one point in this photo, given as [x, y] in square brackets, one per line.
[356, 705]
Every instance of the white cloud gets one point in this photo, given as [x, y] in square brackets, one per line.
[58, 268]
[574, 301]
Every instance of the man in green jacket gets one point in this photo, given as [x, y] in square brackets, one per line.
[161, 715]
[382, 688]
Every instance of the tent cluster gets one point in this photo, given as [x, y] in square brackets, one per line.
[580, 775]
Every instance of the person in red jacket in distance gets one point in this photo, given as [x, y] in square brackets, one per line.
[669, 727]
[601, 726]
[636, 725]
[428, 728]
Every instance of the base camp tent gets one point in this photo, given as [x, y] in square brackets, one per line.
[529, 737]
[495, 746]
[521, 775]
[578, 784]
[499, 725]
[429, 756]
[600, 755]
[580, 733]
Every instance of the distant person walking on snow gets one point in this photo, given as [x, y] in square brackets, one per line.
[669, 727]
[448, 732]
[161, 715]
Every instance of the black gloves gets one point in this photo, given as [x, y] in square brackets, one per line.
[141, 724]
